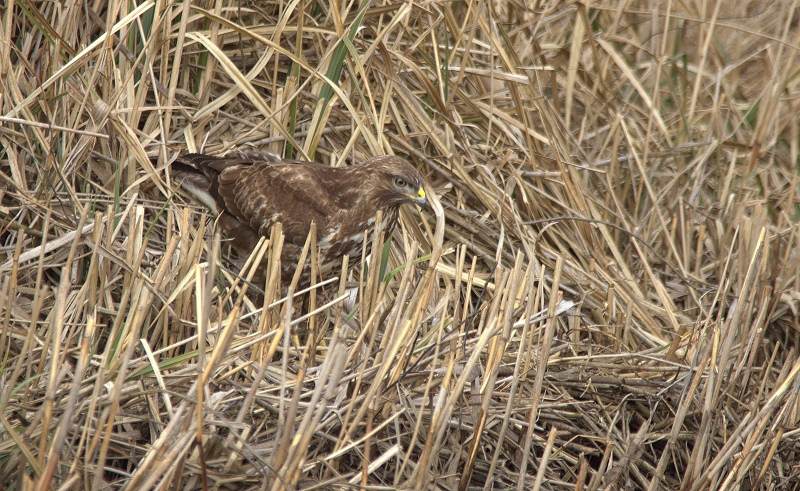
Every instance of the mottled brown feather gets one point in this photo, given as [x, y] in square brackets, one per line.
[251, 194]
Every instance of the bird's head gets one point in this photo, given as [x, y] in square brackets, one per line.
[395, 181]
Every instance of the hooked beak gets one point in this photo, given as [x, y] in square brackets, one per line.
[421, 200]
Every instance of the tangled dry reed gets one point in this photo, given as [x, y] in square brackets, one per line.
[605, 295]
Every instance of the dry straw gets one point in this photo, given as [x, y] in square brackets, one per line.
[603, 295]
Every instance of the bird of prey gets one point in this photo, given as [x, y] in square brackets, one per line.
[251, 194]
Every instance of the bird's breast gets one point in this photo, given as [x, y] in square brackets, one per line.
[339, 240]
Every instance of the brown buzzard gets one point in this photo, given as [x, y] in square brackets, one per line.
[249, 195]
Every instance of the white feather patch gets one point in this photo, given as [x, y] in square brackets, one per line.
[200, 195]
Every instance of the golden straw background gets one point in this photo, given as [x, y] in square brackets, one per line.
[604, 293]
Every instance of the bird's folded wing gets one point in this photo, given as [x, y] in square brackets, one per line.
[267, 193]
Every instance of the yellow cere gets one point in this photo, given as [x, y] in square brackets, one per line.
[421, 193]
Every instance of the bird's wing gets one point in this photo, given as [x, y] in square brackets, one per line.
[260, 193]
[294, 194]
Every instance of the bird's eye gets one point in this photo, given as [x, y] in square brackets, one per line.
[400, 182]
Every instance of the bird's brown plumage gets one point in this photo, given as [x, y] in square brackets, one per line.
[250, 195]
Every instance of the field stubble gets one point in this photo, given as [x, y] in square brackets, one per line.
[603, 294]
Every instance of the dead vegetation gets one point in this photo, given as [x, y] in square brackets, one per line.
[617, 202]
